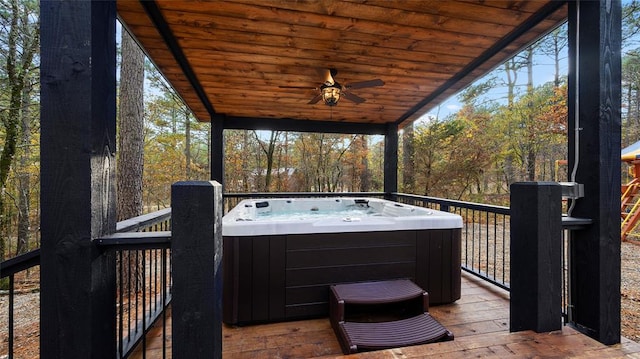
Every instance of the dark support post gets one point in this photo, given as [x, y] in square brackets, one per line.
[536, 251]
[78, 130]
[594, 95]
[217, 149]
[391, 160]
[196, 255]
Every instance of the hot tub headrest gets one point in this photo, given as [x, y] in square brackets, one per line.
[263, 204]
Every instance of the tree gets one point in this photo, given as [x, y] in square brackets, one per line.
[435, 141]
[131, 130]
[631, 96]
[553, 45]
[268, 149]
[20, 46]
[357, 175]
[322, 163]
[236, 161]
[408, 153]
[630, 23]
[129, 168]
[542, 123]
[365, 172]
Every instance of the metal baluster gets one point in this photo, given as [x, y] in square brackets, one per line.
[11, 304]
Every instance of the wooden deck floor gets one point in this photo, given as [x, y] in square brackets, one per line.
[479, 321]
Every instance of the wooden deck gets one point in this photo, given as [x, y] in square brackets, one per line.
[479, 321]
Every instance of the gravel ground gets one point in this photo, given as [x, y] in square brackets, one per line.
[27, 309]
[26, 325]
[630, 291]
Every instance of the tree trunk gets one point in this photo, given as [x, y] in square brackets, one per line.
[365, 176]
[531, 147]
[24, 178]
[269, 151]
[407, 160]
[130, 154]
[22, 44]
[245, 162]
[512, 75]
[187, 143]
[131, 130]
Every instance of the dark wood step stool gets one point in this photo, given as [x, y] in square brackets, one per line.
[382, 314]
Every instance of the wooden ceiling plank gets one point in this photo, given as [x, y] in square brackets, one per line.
[201, 36]
[265, 20]
[472, 11]
[302, 35]
[221, 95]
[402, 42]
[318, 60]
[379, 98]
[314, 50]
[529, 6]
[230, 77]
[344, 68]
[343, 15]
[351, 69]
[209, 24]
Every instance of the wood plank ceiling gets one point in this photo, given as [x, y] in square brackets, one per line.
[238, 54]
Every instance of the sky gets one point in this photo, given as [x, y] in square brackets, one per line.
[543, 72]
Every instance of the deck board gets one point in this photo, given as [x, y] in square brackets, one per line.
[479, 321]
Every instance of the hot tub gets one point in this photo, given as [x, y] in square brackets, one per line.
[281, 255]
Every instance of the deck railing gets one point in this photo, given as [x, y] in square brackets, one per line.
[142, 271]
[486, 239]
[11, 269]
[143, 274]
[485, 233]
[142, 246]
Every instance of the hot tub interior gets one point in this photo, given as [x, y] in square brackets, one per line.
[274, 209]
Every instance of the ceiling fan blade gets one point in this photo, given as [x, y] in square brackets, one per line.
[351, 97]
[315, 99]
[363, 84]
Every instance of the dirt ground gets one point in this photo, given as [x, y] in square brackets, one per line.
[27, 306]
[630, 291]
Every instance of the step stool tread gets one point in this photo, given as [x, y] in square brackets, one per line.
[378, 292]
[421, 329]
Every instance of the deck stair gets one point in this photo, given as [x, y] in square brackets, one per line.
[629, 208]
[381, 315]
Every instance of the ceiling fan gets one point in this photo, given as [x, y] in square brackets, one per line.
[330, 91]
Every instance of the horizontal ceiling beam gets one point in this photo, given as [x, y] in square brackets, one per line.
[277, 124]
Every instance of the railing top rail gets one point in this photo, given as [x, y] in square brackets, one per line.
[136, 240]
[477, 206]
[573, 223]
[302, 194]
[19, 263]
[135, 223]
[131, 240]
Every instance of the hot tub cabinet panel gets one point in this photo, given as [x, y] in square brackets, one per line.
[286, 277]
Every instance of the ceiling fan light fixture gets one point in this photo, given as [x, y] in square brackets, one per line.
[331, 93]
